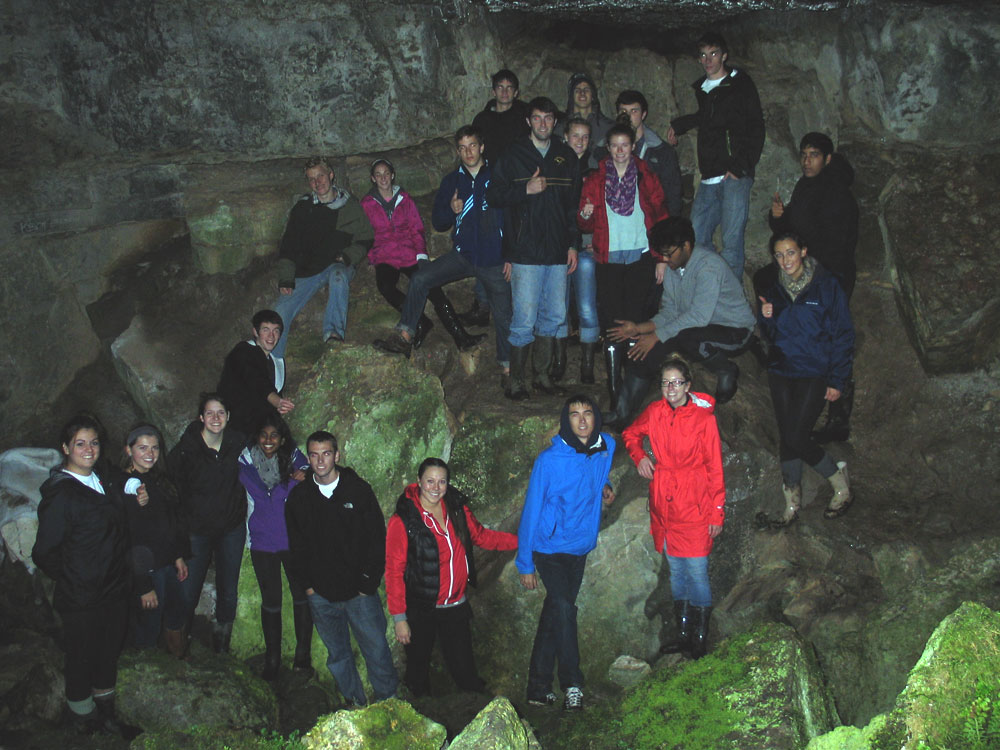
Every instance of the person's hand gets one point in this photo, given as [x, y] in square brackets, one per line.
[571, 260]
[832, 394]
[587, 211]
[624, 331]
[661, 271]
[403, 632]
[537, 183]
[607, 495]
[285, 290]
[671, 137]
[777, 206]
[142, 496]
[149, 600]
[766, 308]
[285, 406]
[507, 267]
[456, 206]
[182, 569]
[714, 531]
[310, 592]
[646, 468]
[529, 581]
[589, 248]
[643, 344]
[298, 475]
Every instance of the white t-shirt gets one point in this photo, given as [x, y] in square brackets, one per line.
[90, 480]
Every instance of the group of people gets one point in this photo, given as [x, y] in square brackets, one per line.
[538, 222]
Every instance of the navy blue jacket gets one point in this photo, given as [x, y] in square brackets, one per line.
[478, 234]
[813, 335]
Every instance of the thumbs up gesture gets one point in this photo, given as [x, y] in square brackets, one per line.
[587, 211]
[777, 206]
[537, 183]
[766, 308]
[456, 202]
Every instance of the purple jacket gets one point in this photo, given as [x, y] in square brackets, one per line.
[266, 531]
[399, 238]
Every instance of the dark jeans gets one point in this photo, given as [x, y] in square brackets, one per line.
[555, 638]
[452, 624]
[92, 640]
[452, 266]
[267, 567]
[387, 279]
[622, 290]
[697, 344]
[227, 549]
[169, 610]
[797, 404]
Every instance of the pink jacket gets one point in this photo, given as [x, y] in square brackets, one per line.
[399, 241]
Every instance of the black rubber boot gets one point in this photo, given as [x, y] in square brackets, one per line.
[543, 354]
[587, 354]
[630, 400]
[699, 631]
[222, 634]
[463, 340]
[109, 723]
[838, 418]
[518, 365]
[303, 638]
[558, 368]
[424, 326]
[270, 624]
[478, 315]
[614, 358]
[682, 615]
[726, 374]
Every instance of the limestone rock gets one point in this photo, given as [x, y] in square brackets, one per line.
[22, 472]
[390, 721]
[627, 671]
[496, 727]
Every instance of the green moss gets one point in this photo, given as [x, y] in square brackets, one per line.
[209, 738]
[389, 725]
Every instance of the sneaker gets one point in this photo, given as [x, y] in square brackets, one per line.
[574, 700]
[549, 699]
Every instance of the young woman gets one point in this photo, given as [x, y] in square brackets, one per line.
[82, 544]
[159, 540]
[205, 468]
[620, 201]
[806, 319]
[428, 564]
[269, 468]
[687, 495]
[399, 247]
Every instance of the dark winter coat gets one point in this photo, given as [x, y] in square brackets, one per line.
[500, 129]
[247, 380]
[208, 482]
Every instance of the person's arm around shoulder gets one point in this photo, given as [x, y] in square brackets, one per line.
[396, 548]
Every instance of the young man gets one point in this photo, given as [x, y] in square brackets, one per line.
[562, 514]
[336, 548]
[703, 314]
[582, 102]
[824, 213]
[537, 183]
[658, 154]
[326, 237]
[503, 119]
[730, 138]
[478, 230]
[253, 377]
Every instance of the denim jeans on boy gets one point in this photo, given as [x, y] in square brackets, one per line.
[366, 619]
[555, 638]
[726, 203]
[583, 282]
[169, 610]
[338, 277]
[227, 549]
[539, 296]
[689, 580]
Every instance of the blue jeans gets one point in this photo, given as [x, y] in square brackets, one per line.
[227, 549]
[366, 619]
[338, 276]
[555, 638]
[583, 281]
[169, 608]
[726, 203]
[453, 266]
[689, 580]
[539, 294]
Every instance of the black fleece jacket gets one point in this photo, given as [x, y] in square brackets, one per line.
[208, 481]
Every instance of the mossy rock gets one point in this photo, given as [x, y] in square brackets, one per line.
[202, 738]
[388, 725]
[496, 727]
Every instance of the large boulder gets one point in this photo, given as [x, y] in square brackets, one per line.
[496, 727]
[389, 723]
[22, 472]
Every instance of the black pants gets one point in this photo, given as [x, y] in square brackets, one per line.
[452, 624]
[623, 290]
[797, 404]
[267, 567]
[93, 640]
[696, 344]
[387, 279]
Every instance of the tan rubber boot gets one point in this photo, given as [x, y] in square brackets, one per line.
[842, 495]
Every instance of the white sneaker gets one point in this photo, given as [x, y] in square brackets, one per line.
[574, 700]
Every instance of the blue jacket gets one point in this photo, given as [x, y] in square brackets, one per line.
[562, 510]
[813, 335]
[478, 234]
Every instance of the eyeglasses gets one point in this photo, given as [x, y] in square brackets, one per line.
[670, 252]
[673, 383]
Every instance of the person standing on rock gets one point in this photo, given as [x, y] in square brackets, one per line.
[567, 491]
[327, 235]
[253, 376]
[336, 546]
[687, 495]
[824, 213]
[730, 126]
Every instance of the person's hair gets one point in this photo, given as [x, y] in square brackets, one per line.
[577, 121]
[82, 421]
[143, 429]
[582, 398]
[674, 362]
[620, 128]
[439, 463]
[322, 436]
[267, 316]
[818, 141]
[713, 39]
[392, 169]
[779, 236]
[317, 161]
[504, 75]
[542, 104]
[271, 418]
[207, 396]
[469, 131]
[672, 232]
[631, 96]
